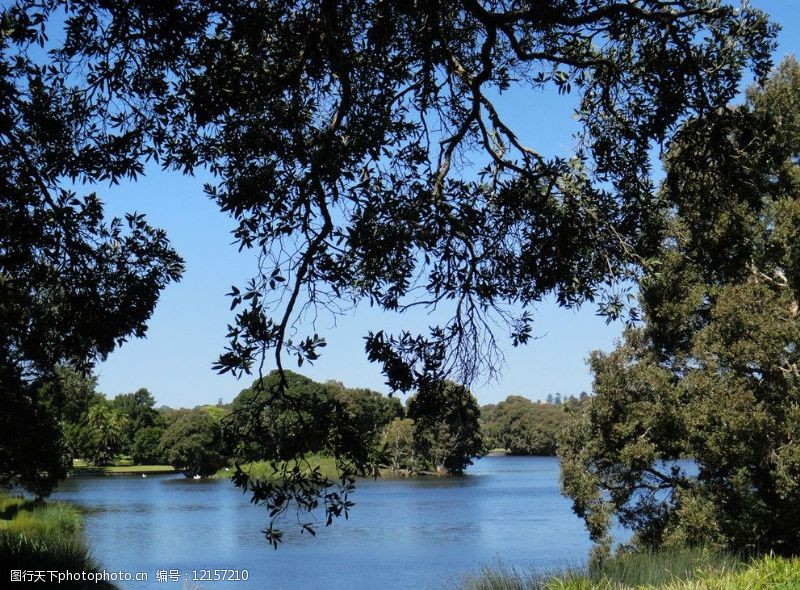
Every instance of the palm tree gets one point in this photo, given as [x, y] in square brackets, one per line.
[107, 427]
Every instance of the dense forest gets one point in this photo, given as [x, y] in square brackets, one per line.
[403, 439]
[523, 427]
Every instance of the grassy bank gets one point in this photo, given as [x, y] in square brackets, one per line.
[44, 537]
[683, 570]
[262, 469]
[124, 468]
[327, 465]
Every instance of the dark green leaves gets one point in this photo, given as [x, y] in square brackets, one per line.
[711, 374]
[335, 134]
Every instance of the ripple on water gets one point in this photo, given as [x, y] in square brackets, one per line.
[402, 533]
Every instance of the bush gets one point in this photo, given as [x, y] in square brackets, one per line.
[42, 537]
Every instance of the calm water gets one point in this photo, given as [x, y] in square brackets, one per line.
[401, 533]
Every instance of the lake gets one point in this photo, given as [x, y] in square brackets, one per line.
[408, 533]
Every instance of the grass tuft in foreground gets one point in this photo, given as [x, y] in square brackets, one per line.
[669, 570]
[40, 536]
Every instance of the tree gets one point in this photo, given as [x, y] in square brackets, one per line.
[712, 372]
[106, 433]
[265, 425]
[337, 107]
[146, 448]
[72, 285]
[446, 426]
[139, 408]
[398, 440]
[282, 418]
[523, 427]
[369, 411]
[78, 394]
[334, 133]
[193, 444]
[217, 412]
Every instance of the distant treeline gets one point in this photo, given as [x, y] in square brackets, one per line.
[435, 431]
[523, 427]
[439, 431]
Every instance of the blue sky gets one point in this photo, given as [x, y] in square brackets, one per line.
[186, 332]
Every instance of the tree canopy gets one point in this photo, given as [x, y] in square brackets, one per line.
[337, 136]
[72, 284]
[712, 374]
[139, 407]
[447, 432]
[282, 419]
[193, 443]
[268, 423]
[523, 427]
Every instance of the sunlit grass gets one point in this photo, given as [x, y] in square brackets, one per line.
[37, 536]
[669, 570]
[124, 467]
[663, 567]
[48, 519]
[263, 470]
[327, 465]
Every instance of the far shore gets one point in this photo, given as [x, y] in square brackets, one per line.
[79, 468]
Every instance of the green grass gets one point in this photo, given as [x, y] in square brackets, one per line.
[37, 520]
[669, 570]
[663, 567]
[262, 469]
[80, 467]
[504, 578]
[44, 536]
[327, 465]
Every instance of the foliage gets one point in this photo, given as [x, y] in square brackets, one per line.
[285, 418]
[685, 570]
[265, 425]
[79, 392]
[35, 536]
[307, 417]
[72, 285]
[523, 427]
[106, 428]
[146, 448]
[192, 443]
[446, 426]
[712, 374]
[98, 430]
[369, 411]
[139, 410]
[43, 443]
[217, 412]
[398, 443]
[335, 134]
[341, 131]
